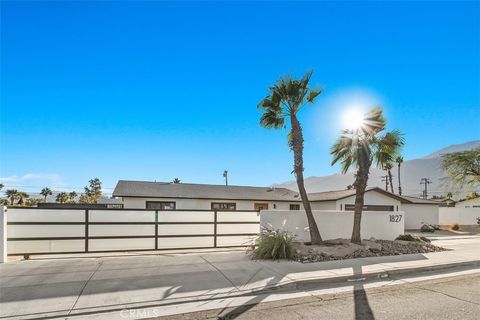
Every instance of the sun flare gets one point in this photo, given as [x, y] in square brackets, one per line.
[352, 119]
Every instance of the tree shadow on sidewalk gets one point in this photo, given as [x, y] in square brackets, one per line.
[363, 311]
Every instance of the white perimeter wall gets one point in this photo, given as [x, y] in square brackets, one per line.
[418, 214]
[334, 224]
[204, 204]
[461, 216]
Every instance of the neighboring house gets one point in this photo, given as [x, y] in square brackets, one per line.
[188, 196]
[470, 203]
[375, 199]
[420, 211]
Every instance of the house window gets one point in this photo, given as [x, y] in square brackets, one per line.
[227, 206]
[351, 207]
[161, 205]
[260, 206]
[294, 206]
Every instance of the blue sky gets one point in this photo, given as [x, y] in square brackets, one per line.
[157, 90]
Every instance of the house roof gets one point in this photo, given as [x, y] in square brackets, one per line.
[474, 198]
[126, 188]
[415, 200]
[148, 189]
[341, 194]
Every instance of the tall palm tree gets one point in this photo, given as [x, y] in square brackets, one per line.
[388, 166]
[45, 193]
[362, 147]
[399, 161]
[281, 105]
[12, 194]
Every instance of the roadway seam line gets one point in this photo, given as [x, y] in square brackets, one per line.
[83, 288]
[432, 290]
[220, 273]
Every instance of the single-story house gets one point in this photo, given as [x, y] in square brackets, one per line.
[188, 196]
[420, 211]
[470, 203]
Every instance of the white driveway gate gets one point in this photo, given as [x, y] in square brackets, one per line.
[46, 231]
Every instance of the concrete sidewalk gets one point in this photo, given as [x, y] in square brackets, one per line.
[107, 287]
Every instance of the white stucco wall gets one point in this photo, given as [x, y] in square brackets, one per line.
[371, 198]
[335, 224]
[204, 204]
[468, 203]
[461, 216]
[418, 214]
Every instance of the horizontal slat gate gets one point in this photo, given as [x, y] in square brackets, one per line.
[54, 231]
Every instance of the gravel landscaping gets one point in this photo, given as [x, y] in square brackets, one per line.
[340, 249]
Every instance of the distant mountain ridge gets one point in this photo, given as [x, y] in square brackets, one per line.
[411, 173]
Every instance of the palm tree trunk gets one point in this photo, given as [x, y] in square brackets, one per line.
[360, 186]
[399, 183]
[296, 144]
[391, 180]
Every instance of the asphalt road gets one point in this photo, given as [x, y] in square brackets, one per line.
[445, 298]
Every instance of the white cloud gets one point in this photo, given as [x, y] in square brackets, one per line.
[33, 180]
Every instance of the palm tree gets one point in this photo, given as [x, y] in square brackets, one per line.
[12, 194]
[62, 197]
[176, 180]
[388, 166]
[283, 102]
[22, 196]
[360, 148]
[1, 186]
[45, 193]
[71, 196]
[399, 161]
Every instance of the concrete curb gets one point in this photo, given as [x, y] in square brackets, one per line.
[296, 284]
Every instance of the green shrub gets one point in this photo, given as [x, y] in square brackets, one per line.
[478, 221]
[411, 237]
[427, 228]
[456, 227]
[274, 245]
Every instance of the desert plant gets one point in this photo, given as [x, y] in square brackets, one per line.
[427, 228]
[412, 237]
[274, 245]
[478, 221]
[456, 227]
[282, 104]
[463, 168]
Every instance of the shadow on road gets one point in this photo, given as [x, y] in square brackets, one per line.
[362, 307]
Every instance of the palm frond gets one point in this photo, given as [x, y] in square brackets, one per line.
[272, 119]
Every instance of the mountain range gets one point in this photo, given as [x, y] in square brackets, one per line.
[411, 173]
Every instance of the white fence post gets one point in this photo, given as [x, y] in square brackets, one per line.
[3, 234]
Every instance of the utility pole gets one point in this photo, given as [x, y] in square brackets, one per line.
[385, 178]
[425, 182]
[225, 175]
